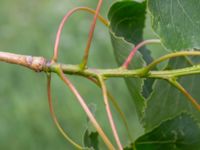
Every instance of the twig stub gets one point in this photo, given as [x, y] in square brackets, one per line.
[32, 62]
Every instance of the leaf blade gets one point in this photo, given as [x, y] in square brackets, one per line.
[167, 102]
[176, 22]
[181, 132]
[127, 19]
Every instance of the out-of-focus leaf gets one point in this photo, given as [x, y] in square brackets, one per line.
[91, 140]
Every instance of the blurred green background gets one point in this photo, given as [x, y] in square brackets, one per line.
[29, 27]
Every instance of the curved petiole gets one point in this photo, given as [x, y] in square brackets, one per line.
[53, 115]
[86, 109]
[91, 33]
[64, 20]
[135, 49]
[168, 56]
[116, 106]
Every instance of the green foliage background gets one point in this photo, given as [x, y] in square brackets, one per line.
[29, 27]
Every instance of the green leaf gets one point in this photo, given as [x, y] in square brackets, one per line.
[179, 133]
[122, 50]
[177, 22]
[127, 19]
[91, 140]
[166, 101]
[125, 24]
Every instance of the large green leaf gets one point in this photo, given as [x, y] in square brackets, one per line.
[180, 133]
[177, 22]
[127, 19]
[167, 102]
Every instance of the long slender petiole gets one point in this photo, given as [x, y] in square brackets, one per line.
[91, 33]
[168, 56]
[183, 90]
[64, 20]
[116, 106]
[135, 49]
[53, 115]
[109, 113]
[86, 109]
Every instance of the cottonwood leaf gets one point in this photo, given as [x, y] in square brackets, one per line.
[122, 50]
[179, 133]
[177, 22]
[127, 19]
[166, 101]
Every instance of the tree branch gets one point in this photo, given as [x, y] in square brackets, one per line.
[40, 64]
[31, 62]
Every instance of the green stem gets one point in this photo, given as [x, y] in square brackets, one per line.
[171, 55]
[39, 64]
[120, 72]
[175, 73]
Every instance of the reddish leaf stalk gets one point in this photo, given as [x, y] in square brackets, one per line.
[135, 49]
[91, 33]
[109, 113]
[64, 20]
[53, 115]
[86, 109]
[116, 106]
